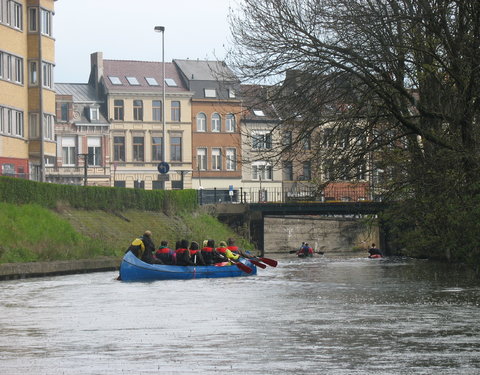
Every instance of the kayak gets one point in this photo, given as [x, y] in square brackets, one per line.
[375, 256]
[133, 269]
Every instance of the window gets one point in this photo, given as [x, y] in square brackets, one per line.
[8, 169]
[11, 13]
[64, 111]
[2, 65]
[18, 73]
[261, 141]
[202, 159]
[156, 110]
[306, 142]
[138, 149]
[216, 159]
[48, 127]
[11, 67]
[216, 122]
[69, 153]
[32, 19]
[33, 126]
[119, 148]
[170, 82]
[115, 80]
[33, 73]
[175, 111]
[11, 122]
[94, 151]
[201, 122]
[46, 19]
[2, 123]
[261, 171]
[138, 110]
[18, 126]
[258, 113]
[176, 148]
[287, 171]
[94, 114]
[157, 148]
[231, 93]
[231, 159]
[230, 123]
[118, 109]
[287, 138]
[307, 171]
[47, 75]
[151, 81]
[133, 81]
[210, 93]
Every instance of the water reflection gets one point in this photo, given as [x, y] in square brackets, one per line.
[316, 316]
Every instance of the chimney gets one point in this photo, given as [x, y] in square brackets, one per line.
[96, 70]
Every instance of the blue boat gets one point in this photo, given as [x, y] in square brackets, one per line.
[133, 269]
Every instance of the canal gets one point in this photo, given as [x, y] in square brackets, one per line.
[319, 316]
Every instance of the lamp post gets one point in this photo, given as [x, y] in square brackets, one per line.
[161, 29]
[85, 168]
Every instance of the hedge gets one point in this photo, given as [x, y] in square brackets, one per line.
[19, 191]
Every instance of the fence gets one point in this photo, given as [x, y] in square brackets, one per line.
[344, 192]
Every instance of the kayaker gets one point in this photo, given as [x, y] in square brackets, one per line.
[374, 251]
[196, 254]
[183, 254]
[143, 248]
[207, 251]
[164, 253]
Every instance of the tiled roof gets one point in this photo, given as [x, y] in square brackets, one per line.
[141, 70]
[204, 70]
[257, 108]
[81, 92]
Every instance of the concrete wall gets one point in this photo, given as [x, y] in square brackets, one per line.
[282, 234]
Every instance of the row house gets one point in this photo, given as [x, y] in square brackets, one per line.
[83, 137]
[27, 97]
[216, 139]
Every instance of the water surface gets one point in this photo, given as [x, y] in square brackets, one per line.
[315, 316]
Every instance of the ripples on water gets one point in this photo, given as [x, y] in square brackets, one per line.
[317, 316]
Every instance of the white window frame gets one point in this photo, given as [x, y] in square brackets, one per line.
[46, 22]
[263, 170]
[47, 75]
[210, 93]
[231, 159]
[69, 151]
[48, 127]
[262, 140]
[33, 19]
[201, 122]
[216, 159]
[230, 123]
[33, 72]
[94, 114]
[202, 158]
[33, 126]
[216, 123]
[94, 158]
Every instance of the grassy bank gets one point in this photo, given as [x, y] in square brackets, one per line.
[33, 233]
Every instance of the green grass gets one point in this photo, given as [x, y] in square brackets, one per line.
[30, 233]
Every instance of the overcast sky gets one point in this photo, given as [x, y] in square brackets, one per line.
[123, 30]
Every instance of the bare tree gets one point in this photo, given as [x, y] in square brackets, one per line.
[397, 79]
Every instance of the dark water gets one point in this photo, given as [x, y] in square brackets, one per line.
[318, 316]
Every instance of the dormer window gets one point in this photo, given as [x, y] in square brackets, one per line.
[170, 82]
[94, 114]
[210, 93]
[231, 93]
[258, 112]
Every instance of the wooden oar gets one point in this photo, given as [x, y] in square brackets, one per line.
[242, 266]
[258, 264]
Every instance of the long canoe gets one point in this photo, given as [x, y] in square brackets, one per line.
[133, 269]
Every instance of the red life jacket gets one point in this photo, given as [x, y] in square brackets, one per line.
[163, 250]
[193, 252]
[207, 249]
[222, 250]
[233, 249]
[181, 251]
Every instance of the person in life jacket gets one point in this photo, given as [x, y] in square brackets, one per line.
[225, 252]
[208, 251]
[196, 254]
[143, 248]
[164, 253]
[183, 254]
[305, 251]
[231, 246]
[374, 251]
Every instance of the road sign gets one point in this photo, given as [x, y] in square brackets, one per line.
[163, 167]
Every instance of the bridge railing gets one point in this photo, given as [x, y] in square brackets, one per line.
[342, 192]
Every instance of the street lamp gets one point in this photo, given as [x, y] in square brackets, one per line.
[161, 29]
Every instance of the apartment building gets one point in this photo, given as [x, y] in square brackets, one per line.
[216, 130]
[83, 137]
[145, 130]
[27, 97]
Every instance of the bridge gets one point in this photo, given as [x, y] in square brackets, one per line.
[253, 214]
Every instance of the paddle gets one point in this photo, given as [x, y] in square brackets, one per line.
[258, 264]
[296, 251]
[242, 266]
[270, 262]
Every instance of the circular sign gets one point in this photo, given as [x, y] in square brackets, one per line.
[163, 167]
